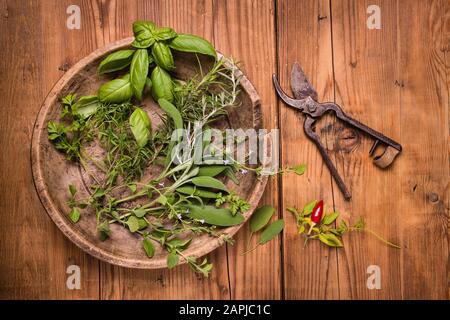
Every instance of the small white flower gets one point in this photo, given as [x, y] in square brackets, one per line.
[244, 171]
[226, 162]
[202, 221]
[161, 184]
[179, 216]
[187, 211]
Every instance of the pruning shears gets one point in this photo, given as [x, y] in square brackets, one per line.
[306, 101]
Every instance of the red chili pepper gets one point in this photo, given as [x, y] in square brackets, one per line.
[317, 212]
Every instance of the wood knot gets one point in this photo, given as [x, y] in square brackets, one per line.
[400, 84]
[433, 197]
[64, 67]
[320, 18]
[347, 139]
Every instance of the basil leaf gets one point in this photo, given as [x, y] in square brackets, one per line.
[116, 91]
[133, 224]
[172, 260]
[209, 182]
[191, 43]
[74, 215]
[138, 72]
[211, 171]
[143, 34]
[271, 231]
[140, 126]
[215, 216]
[172, 111]
[261, 218]
[162, 56]
[116, 61]
[330, 240]
[164, 33]
[162, 86]
[148, 247]
[329, 218]
[86, 106]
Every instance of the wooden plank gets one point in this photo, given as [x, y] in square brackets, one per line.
[34, 253]
[382, 77]
[245, 31]
[304, 35]
[181, 282]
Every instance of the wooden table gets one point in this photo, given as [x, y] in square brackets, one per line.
[394, 79]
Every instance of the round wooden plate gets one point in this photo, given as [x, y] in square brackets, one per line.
[52, 173]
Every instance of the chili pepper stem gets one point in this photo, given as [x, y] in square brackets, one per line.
[310, 228]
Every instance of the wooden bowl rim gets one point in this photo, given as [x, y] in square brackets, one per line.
[64, 225]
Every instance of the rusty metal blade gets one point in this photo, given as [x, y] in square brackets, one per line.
[301, 87]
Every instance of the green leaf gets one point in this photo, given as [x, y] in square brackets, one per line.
[271, 231]
[139, 212]
[143, 34]
[133, 223]
[86, 106]
[330, 240]
[162, 199]
[211, 171]
[116, 91]
[138, 72]
[209, 182]
[164, 33]
[215, 216]
[148, 84]
[177, 243]
[72, 189]
[148, 247]
[172, 260]
[191, 190]
[191, 43]
[140, 126]
[116, 61]
[162, 86]
[308, 208]
[103, 230]
[75, 215]
[172, 111]
[162, 56]
[142, 223]
[261, 218]
[300, 169]
[329, 218]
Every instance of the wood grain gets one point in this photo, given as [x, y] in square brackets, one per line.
[395, 79]
[245, 31]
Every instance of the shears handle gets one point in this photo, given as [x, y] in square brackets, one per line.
[312, 135]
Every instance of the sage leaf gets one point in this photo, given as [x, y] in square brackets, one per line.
[164, 33]
[138, 72]
[75, 215]
[143, 34]
[209, 182]
[271, 231]
[172, 111]
[172, 260]
[193, 191]
[116, 91]
[261, 218]
[330, 239]
[214, 216]
[148, 247]
[116, 61]
[211, 171]
[133, 224]
[86, 106]
[140, 126]
[162, 56]
[329, 218]
[162, 86]
[191, 43]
